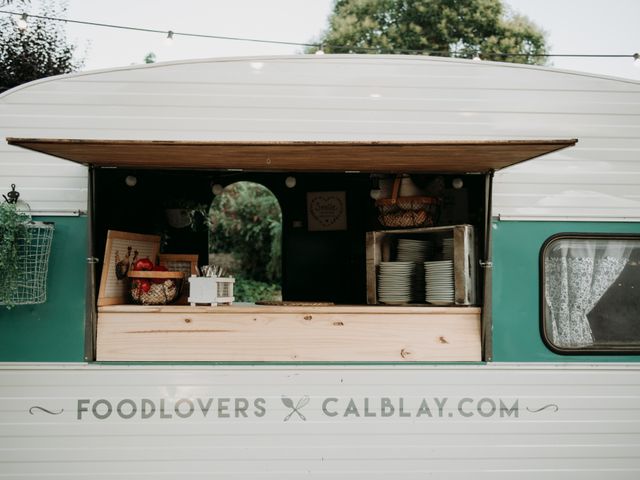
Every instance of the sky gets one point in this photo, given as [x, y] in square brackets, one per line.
[572, 27]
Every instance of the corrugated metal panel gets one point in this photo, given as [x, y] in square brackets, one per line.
[556, 422]
[359, 98]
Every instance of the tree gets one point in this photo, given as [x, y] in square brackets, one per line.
[246, 220]
[150, 58]
[456, 28]
[38, 51]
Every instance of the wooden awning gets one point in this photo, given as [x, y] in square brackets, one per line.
[384, 157]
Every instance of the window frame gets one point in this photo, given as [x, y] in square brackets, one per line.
[545, 335]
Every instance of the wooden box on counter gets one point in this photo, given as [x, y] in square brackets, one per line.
[381, 246]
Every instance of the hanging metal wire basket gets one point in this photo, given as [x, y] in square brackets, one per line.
[34, 247]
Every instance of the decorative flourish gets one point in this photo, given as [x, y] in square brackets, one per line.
[295, 409]
[538, 410]
[35, 407]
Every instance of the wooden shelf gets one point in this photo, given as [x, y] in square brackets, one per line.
[286, 333]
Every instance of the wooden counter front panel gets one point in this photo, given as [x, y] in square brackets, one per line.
[187, 336]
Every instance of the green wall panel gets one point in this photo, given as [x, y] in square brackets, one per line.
[52, 331]
[516, 289]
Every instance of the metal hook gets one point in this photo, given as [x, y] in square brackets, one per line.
[13, 195]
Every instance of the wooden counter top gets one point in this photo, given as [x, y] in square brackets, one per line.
[252, 308]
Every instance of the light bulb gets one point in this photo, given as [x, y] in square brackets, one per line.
[476, 58]
[169, 40]
[457, 183]
[130, 181]
[320, 51]
[217, 189]
[636, 60]
[290, 182]
[375, 193]
[22, 22]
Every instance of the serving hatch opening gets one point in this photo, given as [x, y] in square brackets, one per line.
[478, 156]
[326, 216]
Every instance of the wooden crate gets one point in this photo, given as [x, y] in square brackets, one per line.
[260, 333]
[381, 246]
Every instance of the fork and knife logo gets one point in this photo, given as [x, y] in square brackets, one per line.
[287, 402]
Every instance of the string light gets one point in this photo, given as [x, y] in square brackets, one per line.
[22, 24]
[169, 40]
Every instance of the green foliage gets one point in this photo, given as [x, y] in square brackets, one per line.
[12, 228]
[150, 58]
[41, 50]
[458, 28]
[248, 290]
[246, 220]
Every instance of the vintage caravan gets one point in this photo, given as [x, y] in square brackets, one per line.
[525, 364]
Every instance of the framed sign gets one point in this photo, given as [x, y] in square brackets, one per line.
[121, 251]
[326, 211]
[178, 262]
[184, 263]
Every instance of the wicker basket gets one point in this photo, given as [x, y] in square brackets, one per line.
[155, 288]
[403, 212]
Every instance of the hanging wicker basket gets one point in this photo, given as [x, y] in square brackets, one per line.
[34, 248]
[407, 212]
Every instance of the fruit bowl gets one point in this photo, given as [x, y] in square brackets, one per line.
[154, 287]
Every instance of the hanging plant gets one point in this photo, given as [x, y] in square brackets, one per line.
[13, 227]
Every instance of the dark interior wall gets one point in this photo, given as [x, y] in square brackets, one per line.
[317, 266]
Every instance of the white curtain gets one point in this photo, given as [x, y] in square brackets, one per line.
[577, 274]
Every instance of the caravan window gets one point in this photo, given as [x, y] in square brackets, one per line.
[591, 293]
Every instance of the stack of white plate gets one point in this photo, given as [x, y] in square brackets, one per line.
[395, 282]
[410, 250]
[447, 248]
[439, 286]
[417, 251]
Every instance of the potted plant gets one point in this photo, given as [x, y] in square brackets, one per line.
[13, 229]
[182, 213]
